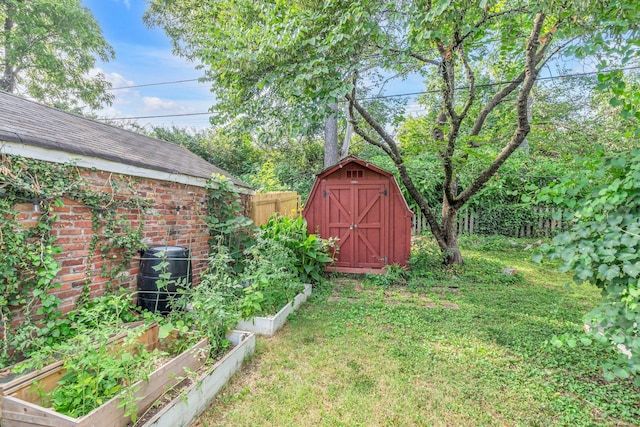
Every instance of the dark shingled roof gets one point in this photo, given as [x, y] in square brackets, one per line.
[30, 123]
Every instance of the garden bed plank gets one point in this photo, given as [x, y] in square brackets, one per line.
[174, 371]
[192, 402]
[17, 413]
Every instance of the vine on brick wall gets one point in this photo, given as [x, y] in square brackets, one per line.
[112, 231]
[28, 247]
[227, 226]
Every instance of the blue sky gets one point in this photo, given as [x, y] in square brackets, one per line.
[144, 56]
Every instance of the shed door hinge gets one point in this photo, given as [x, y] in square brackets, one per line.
[384, 193]
[384, 259]
[325, 193]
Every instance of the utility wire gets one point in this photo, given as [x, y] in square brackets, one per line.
[158, 116]
[396, 95]
[561, 76]
[154, 84]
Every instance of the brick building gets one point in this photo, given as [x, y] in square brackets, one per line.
[123, 164]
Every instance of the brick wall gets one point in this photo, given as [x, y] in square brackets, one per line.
[176, 217]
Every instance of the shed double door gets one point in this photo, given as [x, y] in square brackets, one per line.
[357, 214]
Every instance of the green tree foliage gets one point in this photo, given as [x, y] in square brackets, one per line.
[278, 66]
[603, 248]
[235, 153]
[291, 165]
[48, 49]
[573, 115]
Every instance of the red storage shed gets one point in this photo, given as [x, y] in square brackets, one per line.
[363, 206]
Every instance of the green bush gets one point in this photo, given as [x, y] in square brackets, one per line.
[602, 247]
[271, 278]
[312, 254]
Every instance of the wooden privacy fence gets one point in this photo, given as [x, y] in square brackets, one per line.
[470, 222]
[262, 206]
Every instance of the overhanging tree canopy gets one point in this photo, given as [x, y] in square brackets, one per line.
[278, 65]
[47, 50]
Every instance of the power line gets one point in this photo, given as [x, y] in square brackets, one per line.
[155, 84]
[561, 76]
[397, 95]
[159, 116]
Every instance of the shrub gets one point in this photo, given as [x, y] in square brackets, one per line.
[311, 252]
[271, 276]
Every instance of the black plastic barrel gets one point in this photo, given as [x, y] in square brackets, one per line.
[178, 265]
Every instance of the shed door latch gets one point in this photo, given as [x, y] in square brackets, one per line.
[384, 193]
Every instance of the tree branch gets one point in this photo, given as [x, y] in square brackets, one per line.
[472, 84]
[540, 60]
[391, 148]
[493, 103]
[533, 57]
[448, 75]
[413, 55]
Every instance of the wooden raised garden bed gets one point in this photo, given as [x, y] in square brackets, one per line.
[186, 407]
[270, 325]
[20, 404]
[10, 382]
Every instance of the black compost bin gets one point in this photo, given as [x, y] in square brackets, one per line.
[178, 264]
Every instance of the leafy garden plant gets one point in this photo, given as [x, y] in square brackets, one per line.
[271, 278]
[102, 356]
[99, 372]
[209, 309]
[311, 253]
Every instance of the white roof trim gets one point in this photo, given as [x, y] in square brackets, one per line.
[56, 156]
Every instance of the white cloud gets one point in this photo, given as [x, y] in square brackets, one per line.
[117, 80]
[153, 103]
[110, 112]
[163, 100]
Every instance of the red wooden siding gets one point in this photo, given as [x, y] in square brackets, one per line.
[362, 206]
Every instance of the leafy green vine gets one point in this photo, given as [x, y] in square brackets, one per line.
[28, 245]
[112, 230]
[226, 224]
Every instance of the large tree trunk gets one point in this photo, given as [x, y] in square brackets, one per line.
[449, 236]
[331, 155]
[8, 79]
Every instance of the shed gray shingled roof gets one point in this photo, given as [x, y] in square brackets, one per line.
[30, 123]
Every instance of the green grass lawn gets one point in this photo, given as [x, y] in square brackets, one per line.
[464, 347]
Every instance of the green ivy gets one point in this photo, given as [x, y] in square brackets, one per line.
[112, 231]
[225, 220]
[28, 251]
